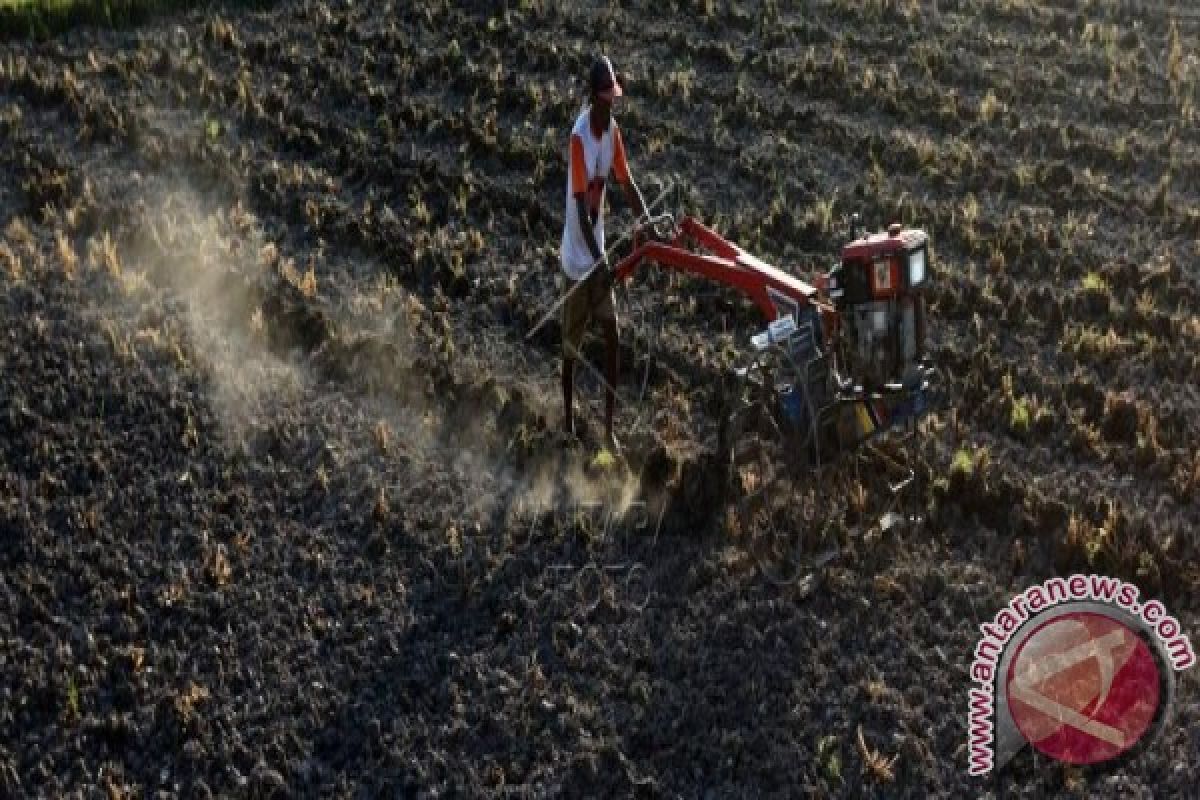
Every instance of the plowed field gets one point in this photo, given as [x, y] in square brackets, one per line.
[284, 508]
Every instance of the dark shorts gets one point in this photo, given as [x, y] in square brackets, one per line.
[592, 301]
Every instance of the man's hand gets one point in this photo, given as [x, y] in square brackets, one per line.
[655, 229]
[647, 231]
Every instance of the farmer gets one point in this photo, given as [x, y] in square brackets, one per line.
[596, 149]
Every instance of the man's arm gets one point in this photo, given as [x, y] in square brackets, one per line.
[633, 195]
[585, 225]
[579, 187]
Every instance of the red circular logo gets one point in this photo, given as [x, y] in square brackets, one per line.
[1083, 688]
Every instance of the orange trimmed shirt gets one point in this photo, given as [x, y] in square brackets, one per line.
[591, 160]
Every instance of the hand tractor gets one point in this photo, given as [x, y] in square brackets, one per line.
[841, 362]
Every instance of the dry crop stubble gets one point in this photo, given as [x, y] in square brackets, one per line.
[208, 260]
[249, 379]
[217, 262]
[1041, 145]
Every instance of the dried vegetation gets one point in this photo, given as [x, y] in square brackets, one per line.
[284, 509]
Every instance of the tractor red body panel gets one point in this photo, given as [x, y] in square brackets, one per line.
[882, 245]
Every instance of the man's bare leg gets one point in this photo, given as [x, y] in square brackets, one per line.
[612, 355]
[568, 385]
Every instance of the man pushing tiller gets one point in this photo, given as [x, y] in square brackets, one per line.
[595, 150]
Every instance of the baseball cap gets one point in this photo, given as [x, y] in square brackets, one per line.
[603, 78]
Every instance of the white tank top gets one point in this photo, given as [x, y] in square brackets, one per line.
[598, 157]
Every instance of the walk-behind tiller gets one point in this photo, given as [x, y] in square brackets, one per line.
[841, 362]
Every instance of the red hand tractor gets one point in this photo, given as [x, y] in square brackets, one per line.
[841, 361]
